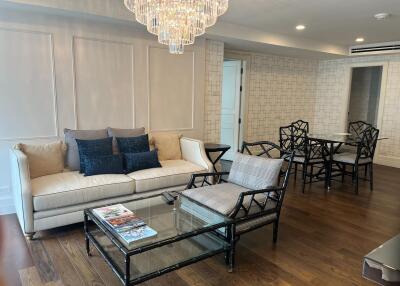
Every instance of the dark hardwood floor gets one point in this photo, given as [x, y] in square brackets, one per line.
[322, 239]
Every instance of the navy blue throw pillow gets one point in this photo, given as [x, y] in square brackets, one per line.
[93, 148]
[140, 161]
[108, 164]
[135, 144]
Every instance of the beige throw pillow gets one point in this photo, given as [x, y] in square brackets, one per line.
[44, 159]
[168, 145]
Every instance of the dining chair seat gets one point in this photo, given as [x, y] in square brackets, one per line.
[302, 159]
[350, 158]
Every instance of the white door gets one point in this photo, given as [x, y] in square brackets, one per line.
[230, 107]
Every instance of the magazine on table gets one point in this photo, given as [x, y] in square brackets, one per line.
[125, 223]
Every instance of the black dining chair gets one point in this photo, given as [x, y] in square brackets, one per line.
[363, 157]
[300, 124]
[315, 162]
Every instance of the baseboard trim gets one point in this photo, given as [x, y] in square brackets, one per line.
[388, 161]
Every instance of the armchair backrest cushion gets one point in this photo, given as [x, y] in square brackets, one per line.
[253, 172]
[44, 159]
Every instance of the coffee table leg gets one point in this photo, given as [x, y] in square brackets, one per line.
[231, 254]
[127, 269]
[85, 223]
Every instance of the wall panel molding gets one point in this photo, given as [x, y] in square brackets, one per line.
[54, 116]
[75, 40]
[150, 96]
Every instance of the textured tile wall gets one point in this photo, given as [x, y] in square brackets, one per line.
[332, 95]
[214, 70]
[280, 90]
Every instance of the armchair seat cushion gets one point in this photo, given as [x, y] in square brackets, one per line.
[173, 173]
[223, 197]
[349, 158]
[72, 188]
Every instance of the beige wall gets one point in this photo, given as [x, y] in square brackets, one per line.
[61, 72]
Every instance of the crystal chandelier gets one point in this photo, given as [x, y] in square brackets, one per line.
[177, 22]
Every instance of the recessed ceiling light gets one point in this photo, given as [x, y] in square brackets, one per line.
[360, 40]
[381, 16]
[300, 27]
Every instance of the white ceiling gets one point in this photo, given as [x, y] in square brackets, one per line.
[336, 22]
[265, 25]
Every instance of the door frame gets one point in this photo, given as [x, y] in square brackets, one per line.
[382, 96]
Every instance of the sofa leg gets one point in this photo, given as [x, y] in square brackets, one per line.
[29, 236]
[275, 231]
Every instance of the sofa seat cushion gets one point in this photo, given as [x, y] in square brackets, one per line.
[173, 173]
[71, 188]
[223, 198]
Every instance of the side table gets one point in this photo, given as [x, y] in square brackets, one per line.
[216, 148]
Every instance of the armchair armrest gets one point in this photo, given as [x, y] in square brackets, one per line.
[202, 179]
[275, 194]
[193, 151]
[21, 187]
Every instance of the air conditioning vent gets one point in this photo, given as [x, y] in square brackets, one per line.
[374, 49]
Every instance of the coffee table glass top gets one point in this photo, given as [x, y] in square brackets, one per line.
[183, 217]
[388, 254]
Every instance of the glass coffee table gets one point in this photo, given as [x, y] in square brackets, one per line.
[187, 232]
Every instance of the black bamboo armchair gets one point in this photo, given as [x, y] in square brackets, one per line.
[249, 208]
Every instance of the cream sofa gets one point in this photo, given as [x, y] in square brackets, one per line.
[59, 199]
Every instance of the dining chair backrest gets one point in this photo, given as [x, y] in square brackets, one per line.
[299, 140]
[367, 146]
[300, 124]
[315, 150]
[286, 138]
[357, 128]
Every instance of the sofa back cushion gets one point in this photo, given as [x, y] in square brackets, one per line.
[121, 133]
[141, 161]
[93, 148]
[168, 145]
[106, 164]
[137, 144]
[253, 172]
[44, 159]
[72, 157]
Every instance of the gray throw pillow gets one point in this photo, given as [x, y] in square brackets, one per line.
[72, 156]
[123, 133]
[256, 173]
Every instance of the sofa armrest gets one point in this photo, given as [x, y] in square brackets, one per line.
[21, 187]
[193, 151]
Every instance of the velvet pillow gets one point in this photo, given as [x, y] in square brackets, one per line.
[93, 148]
[108, 164]
[72, 158]
[140, 161]
[44, 159]
[168, 145]
[135, 144]
[123, 133]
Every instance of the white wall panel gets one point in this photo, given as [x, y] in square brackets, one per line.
[27, 91]
[171, 90]
[103, 83]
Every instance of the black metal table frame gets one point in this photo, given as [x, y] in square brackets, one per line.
[229, 250]
[221, 150]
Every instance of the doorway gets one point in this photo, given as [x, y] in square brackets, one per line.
[232, 106]
[365, 94]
